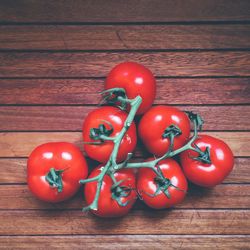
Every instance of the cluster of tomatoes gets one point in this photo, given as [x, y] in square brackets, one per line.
[56, 169]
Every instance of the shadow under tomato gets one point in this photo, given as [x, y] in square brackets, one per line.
[197, 191]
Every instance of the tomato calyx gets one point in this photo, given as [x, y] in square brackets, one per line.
[118, 192]
[54, 178]
[101, 132]
[172, 130]
[116, 97]
[204, 156]
[193, 117]
[163, 184]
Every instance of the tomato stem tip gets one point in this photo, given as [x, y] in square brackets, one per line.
[54, 178]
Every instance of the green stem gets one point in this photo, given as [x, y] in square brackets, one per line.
[107, 138]
[169, 153]
[153, 163]
[111, 165]
[88, 180]
[189, 144]
[148, 164]
[135, 103]
[125, 100]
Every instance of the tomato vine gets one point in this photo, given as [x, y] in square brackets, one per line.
[117, 96]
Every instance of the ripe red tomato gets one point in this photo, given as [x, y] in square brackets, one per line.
[154, 123]
[147, 185]
[116, 117]
[208, 174]
[108, 206]
[136, 80]
[54, 171]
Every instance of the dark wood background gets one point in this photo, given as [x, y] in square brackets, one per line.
[54, 56]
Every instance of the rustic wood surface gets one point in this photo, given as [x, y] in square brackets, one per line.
[125, 242]
[45, 91]
[54, 56]
[98, 64]
[120, 11]
[47, 118]
[122, 37]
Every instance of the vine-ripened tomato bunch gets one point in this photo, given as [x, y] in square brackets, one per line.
[56, 170]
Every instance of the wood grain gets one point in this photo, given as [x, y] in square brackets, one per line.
[13, 170]
[86, 91]
[122, 37]
[54, 56]
[222, 196]
[120, 11]
[20, 144]
[47, 118]
[51, 222]
[123, 242]
[87, 64]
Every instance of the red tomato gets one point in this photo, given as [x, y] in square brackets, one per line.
[156, 121]
[69, 164]
[204, 174]
[147, 185]
[107, 206]
[136, 80]
[116, 117]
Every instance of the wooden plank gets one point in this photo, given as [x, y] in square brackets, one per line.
[86, 91]
[62, 222]
[47, 118]
[43, 118]
[87, 64]
[20, 144]
[13, 170]
[132, 11]
[241, 171]
[110, 37]
[222, 196]
[139, 242]
[63, 91]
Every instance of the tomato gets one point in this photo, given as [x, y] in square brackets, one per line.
[107, 205]
[208, 174]
[61, 159]
[174, 182]
[136, 80]
[108, 116]
[154, 123]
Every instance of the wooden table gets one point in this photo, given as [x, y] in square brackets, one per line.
[54, 56]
